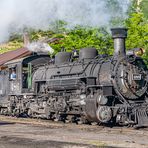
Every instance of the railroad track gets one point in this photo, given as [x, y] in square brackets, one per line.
[91, 128]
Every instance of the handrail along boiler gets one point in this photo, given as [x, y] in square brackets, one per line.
[85, 88]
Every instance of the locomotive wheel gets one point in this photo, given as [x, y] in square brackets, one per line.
[104, 114]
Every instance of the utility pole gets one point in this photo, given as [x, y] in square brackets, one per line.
[138, 9]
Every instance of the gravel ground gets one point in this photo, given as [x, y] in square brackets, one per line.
[59, 135]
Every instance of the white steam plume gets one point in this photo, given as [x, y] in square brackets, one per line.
[15, 15]
[40, 47]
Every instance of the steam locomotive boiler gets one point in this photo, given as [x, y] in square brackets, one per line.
[83, 88]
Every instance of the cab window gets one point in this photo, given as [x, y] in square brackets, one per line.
[12, 74]
[25, 77]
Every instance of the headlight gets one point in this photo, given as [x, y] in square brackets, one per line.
[139, 51]
[136, 51]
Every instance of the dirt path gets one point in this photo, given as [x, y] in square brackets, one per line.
[59, 135]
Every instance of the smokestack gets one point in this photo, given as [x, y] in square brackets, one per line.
[119, 35]
[26, 39]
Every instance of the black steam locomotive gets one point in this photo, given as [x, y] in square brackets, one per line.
[83, 88]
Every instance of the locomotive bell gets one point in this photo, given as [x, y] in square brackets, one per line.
[119, 35]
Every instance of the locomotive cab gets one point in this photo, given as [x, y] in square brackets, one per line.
[14, 75]
[20, 73]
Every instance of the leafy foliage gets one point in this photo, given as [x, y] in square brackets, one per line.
[81, 37]
[142, 6]
[12, 45]
[137, 32]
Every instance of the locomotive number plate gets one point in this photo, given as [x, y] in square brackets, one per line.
[137, 76]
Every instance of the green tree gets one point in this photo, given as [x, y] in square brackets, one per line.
[81, 37]
[144, 8]
[137, 32]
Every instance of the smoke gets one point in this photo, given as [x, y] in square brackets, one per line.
[15, 15]
[40, 47]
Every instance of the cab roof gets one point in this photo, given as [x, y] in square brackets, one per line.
[15, 54]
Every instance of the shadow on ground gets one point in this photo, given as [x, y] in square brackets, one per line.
[15, 142]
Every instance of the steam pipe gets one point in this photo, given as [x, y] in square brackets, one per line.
[119, 35]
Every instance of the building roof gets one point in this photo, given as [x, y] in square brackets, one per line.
[15, 54]
[20, 53]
